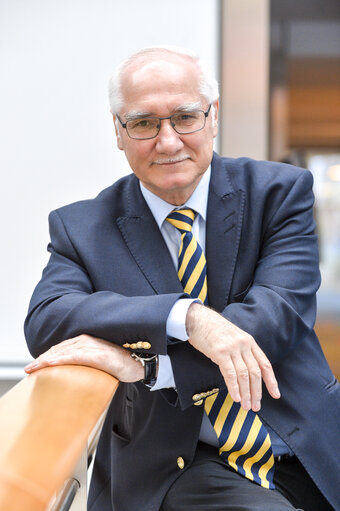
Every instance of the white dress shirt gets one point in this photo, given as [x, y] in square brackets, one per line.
[175, 326]
[160, 209]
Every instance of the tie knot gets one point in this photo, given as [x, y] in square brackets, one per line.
[182, 219]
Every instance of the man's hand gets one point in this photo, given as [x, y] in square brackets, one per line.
[241, 361]
[93, 352]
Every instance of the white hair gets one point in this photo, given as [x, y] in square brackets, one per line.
[208, 85]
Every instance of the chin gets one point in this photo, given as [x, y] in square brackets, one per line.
[175, 192]
[178, 184]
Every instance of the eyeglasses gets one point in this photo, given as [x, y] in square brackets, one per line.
[183, 123]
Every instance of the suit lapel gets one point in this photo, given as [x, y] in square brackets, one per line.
[224, 221]
[146, 244]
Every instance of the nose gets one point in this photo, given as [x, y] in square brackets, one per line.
[168, 140]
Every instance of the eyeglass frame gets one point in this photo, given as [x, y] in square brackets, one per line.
[163, 119]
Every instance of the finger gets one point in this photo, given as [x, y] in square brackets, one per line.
[56, 355]
[81, 350]
[255, 380]
[267, 372]
[230, 378]
[37, 364]
[60, 358]
[242, 374]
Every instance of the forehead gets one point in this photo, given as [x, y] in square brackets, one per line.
[160, 82]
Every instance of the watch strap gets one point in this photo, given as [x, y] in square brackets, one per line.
[150, 367]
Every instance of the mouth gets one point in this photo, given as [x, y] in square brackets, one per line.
[171, 161]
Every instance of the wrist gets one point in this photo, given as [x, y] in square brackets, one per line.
[192, 316]
[138, 370]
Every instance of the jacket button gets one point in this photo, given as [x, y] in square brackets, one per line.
[180, 462]
[198, 403]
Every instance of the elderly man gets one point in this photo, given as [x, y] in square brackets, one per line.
[193, 281]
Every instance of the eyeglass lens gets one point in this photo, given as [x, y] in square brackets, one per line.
[182, 122]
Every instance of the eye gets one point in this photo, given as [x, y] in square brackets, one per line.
[185, 118]
[139, 123]
[144, 124]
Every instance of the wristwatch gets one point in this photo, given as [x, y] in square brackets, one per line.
[149, 362]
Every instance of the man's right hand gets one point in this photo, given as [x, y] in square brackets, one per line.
[87, 350]
[241, 361]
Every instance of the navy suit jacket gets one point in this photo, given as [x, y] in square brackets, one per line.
[110, 275]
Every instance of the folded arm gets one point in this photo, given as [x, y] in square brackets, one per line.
[65, 304]
[264, 324]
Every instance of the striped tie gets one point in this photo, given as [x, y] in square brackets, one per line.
[244, 441]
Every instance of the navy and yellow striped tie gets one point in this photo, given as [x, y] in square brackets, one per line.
[244, 441]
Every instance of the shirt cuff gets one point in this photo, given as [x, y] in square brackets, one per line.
[175, 324]
[175, 327]
[165, 377]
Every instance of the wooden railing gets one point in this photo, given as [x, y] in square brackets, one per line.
[328, 333]
[45, 423]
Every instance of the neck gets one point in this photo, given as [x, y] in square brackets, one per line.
[175, 197]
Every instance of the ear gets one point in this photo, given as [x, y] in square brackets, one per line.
[117, 131]
[216, 105]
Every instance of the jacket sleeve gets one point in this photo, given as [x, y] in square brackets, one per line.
[278, 306]
[65, 304]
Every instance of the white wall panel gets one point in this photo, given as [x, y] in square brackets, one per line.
[56, 136]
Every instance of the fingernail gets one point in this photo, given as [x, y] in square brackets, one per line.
[247, 405]
[257, 406]
[31, 364]
[277, 393]
[30, 367]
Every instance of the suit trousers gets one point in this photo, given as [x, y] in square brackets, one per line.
[209, 485]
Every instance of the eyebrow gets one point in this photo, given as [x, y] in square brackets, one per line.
[186, 107]
[189, 107]
[131, 116]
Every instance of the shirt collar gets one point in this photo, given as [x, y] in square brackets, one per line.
[197, 201]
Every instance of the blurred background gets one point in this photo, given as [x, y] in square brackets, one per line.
[278, 63]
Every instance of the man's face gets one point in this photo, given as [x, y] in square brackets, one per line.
[169, 165]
